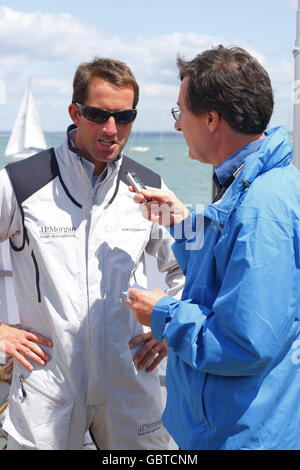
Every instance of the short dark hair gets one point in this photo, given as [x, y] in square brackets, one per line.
[229, 80]
[111, 70]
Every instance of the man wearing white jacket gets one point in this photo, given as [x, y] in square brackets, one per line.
[78, 242]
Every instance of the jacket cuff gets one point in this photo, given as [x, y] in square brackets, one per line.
[160, 316]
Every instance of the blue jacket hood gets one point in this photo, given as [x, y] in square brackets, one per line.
[276, 151]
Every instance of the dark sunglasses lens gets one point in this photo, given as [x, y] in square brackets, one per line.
[125, 117]
[101, 115]
[95, 115]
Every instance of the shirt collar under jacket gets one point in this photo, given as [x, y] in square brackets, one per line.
[223, 171]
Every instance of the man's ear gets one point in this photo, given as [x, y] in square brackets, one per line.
[213, 119]
[74, 113]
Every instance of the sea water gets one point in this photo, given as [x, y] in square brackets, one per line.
[190, 180]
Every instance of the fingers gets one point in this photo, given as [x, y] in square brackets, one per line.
[163, 207]
[25, 352]
[21, 359]
[156, 195]
[144, 295]
[142, 303]
[152, 352]
[155, 363]
[141, 338]
[23, 346]
[38, 338]
[138, 198]
[142, 313]
[160, 352]
[151, 211]
[159, 195]
[34, 352]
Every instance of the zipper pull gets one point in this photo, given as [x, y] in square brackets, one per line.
[21, 379]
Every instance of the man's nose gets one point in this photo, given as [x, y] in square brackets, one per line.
[110, 126]
[177, 126]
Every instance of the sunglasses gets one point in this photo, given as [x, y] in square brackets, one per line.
[102, 115]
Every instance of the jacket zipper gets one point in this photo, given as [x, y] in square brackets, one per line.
[37, 277]
[94, 192]
[21, 380]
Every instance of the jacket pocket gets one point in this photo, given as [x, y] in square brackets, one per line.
[42, 418]
[197, 398]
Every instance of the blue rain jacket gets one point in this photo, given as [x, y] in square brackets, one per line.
[233, 375]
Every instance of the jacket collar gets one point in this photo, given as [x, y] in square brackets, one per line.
[74, 175]
[275, 151]
[226, 169]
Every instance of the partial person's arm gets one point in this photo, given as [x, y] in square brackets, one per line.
[15, 342]
[252, 317]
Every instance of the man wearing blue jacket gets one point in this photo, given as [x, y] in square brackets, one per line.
[233, 377]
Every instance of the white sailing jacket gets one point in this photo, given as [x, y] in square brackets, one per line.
[75, 252]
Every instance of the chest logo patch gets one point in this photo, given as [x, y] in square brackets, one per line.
[55, 231]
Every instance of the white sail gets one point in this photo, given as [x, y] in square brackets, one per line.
[27, 133]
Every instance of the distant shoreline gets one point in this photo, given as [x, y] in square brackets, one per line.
[155, 133]
[139, 133]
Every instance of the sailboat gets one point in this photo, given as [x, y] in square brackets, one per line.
[27, 136]
[160, 156]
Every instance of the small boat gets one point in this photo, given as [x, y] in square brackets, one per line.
[27, 136]
[159, 155]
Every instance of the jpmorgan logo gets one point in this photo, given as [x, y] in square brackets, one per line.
[148, 428]
[55, 231]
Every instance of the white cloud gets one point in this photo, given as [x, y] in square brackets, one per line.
[159, 89]
[50, 46]
[43, 36]
[292, 3]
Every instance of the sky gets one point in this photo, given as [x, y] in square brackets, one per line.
[48, 40]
